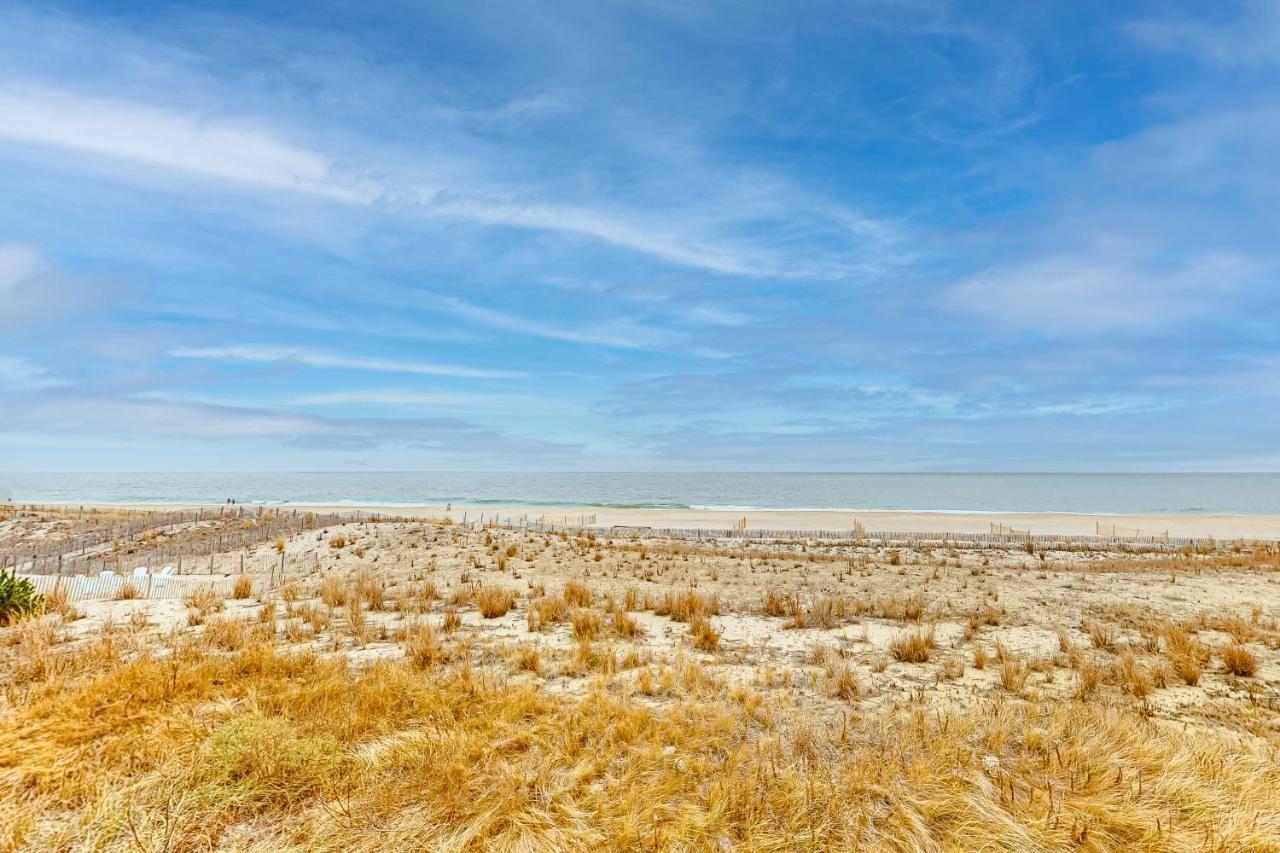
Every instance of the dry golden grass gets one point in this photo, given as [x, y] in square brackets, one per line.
[547, 611]
[1187, 667]
[1014, 674]
[327, 757]
[529, 659]
[56, 599]
[827, 612]
[576, 594]
[333, 592]
[687, 606]
[908, 609]
[1238, 660]
[587, 624]
[777, 604]
[705, 637]
[298, 631]
[1186, 655]
[625, 625]
[494, 601]
[201, 602]
[844, 683]
[422, 645]
[913, 646]
[370, 590]
[1102, 636]
[1090, 677]
[1131, 676]
[243, 587]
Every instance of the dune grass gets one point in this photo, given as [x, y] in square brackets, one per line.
[262, 749]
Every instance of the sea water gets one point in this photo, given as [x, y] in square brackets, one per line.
[1235, 494]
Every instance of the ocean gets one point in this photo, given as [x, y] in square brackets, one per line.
[1121, 494]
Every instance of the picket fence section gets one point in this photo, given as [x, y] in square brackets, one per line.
[81, 587]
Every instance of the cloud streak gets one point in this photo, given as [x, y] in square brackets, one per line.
[410, 398]
[18, 263]
[1250, 39]
[1093, 291]
[205, 146]
[244, 153]
[303, 357]
[128, 415]
[626, 335]
[18, 373]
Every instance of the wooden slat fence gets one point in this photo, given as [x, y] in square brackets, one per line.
[905, 537]
[81, 587]
[94, 554]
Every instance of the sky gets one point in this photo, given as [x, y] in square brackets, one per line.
[697, 235]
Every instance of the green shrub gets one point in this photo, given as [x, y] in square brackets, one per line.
[18, 597]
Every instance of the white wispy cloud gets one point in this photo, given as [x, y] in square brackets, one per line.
[1096, 407]
[208, 146]
[404, 397]
[21, 373]
[1219, 149]
[618, 334]
[337, 361]
[53, 412]
[1094, 291]
[1250, 38]
[250, 153]
[18, 262]
[37, 295]
[645, 237]
[718, 315]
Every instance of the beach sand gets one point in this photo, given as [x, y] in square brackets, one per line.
[1214, 526]
[591, 657]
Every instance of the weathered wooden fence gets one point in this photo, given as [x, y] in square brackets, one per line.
[81, 587]
[122, 547]
[904, 537]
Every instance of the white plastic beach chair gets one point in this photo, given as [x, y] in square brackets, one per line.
[140, 572]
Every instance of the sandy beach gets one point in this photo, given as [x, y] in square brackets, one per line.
[1215, 526]
[299, 653]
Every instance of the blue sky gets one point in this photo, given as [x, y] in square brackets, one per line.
[615, 236]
